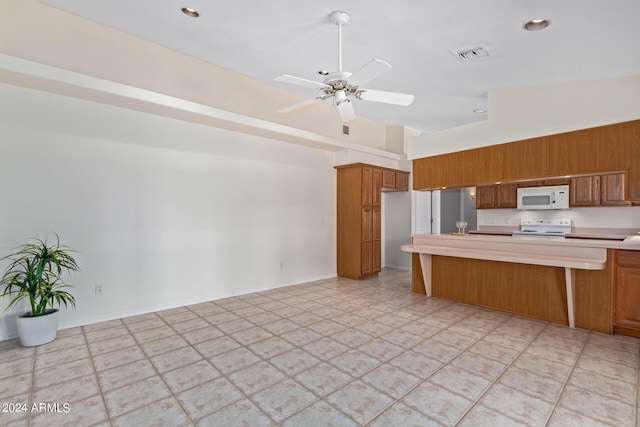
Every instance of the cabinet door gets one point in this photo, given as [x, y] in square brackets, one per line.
[367, 241]
[627, 309]
[402, 181]
[377, 187]
[367, 186]
[376, 251]
[584, 191]
[612, 191]
[388, 179]
[486, 197]
[506, 196]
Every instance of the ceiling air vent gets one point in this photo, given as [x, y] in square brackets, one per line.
[471, 53]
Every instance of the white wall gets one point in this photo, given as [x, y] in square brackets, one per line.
[162, 212]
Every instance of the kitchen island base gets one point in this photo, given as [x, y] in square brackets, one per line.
[538, 291]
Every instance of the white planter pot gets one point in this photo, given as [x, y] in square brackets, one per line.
[37, 330]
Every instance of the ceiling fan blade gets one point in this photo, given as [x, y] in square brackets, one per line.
[346, 111]
[299, 81]
[368, 72]
[387, 97]
[300, 105]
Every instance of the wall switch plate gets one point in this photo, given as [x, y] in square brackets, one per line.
[99, 290]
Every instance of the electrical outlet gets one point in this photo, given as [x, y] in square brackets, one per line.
[99, 290]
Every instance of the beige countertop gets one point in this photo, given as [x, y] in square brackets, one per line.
[631, 242]
[609, 238]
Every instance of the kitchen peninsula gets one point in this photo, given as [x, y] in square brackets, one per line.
[569, 281]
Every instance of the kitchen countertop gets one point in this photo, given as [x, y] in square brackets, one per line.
[607, 234]
[505, 242]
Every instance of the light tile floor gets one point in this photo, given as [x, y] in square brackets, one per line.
[332, 352]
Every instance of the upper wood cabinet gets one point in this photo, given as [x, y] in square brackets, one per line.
[612, 189]
[507, 196]
[526, 159]
[394, 180]
[598, 190]
[600, 149]
[589, 151]
[584, 191]
[388, 179]
[497, 196]
[486, 197]
[402, 181]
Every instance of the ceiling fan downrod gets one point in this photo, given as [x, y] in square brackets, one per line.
[340, 18]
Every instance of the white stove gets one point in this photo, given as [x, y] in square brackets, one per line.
[543, 227]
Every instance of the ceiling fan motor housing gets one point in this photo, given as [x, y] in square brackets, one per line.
[337, 82]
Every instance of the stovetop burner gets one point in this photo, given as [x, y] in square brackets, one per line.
[543, 227]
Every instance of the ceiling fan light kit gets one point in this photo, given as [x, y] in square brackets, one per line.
[344, 86]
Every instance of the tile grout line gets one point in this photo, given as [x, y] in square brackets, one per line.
[97, 378]
[445, 364]
[566, 381]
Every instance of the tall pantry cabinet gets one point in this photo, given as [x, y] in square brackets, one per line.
[359, 192]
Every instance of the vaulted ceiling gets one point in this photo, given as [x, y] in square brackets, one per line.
[587, 39]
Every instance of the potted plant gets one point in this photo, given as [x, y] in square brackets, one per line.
[34, 273]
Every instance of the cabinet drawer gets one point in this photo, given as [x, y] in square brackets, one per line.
[629, 259]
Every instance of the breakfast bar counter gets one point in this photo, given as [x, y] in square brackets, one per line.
[533, 276]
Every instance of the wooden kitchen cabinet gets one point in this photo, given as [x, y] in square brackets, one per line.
[402, 181]
[530, 290]
[486, 197]
[584, 191]
[612, 188]
[598, 190]
[506, 196]
[627, 293]
[598, 150]
[395, 180]
[498, 196]
[388, 179]
[359, 227]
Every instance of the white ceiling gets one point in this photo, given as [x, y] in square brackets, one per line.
[587, 39]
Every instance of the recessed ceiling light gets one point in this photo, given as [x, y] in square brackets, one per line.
[190, 12]
[479, 110]
[536, 24]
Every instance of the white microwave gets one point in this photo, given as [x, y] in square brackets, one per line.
[550, 197]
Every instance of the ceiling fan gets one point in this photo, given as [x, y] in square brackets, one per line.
[342, 86]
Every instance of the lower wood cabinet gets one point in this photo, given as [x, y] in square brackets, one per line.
[529, 290]
[627, 293]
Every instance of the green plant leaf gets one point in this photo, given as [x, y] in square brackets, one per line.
[34, 273]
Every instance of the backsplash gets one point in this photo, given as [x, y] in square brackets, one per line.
[600, 217]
